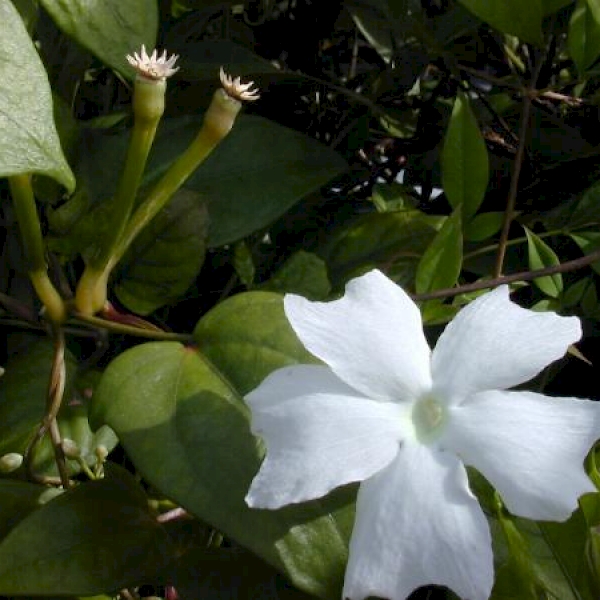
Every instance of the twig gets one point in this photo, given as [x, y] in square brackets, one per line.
[571, 265]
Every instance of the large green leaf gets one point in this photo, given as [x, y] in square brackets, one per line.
[17, 500]
[29, 142]
[109, 29]
[465, 165]
[187, 431]
[247, 336]
[98, 536]
[259, 171]
[523, 19]
[166, 258]
[441, 264]
[584, 36]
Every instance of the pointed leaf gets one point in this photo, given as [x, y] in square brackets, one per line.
[98, 536]
[259, 171]
[166, 257]
[187, 431]
[584, 36]
[465, 167]
[441, 264]
[29, 142]
[540, 256]
[594, 7]
[109, 29]
[515, 17]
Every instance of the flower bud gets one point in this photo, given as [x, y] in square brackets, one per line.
[70, 449]
[101, 452]
[10, 462]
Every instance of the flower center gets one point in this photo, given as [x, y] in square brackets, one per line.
[429, 417]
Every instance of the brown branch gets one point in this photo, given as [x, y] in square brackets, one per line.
[571, 265]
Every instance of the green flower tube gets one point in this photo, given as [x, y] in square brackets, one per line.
[148, 108]
[218, 122]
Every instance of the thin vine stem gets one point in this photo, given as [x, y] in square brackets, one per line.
[132, 330]
[565, 267]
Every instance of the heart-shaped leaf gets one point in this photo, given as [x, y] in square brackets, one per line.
[187, 431]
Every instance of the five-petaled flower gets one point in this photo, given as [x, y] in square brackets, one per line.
[386, 411]
[153, 67]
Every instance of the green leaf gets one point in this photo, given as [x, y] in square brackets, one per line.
[465, 165]
[109, 29]
[515, 578]
[396, 240]
[17, 500]
[588, 242]
[587, 209]
[259, 171]
[584, 36]
[247, 337]
[515, 17]
[243, 263]
[166, 257]
[594, 8]
[483, 226]
[202, 58]
[540, 256]
[552, 6]
[29, 142]
[303, 273]
[187, 431]
[441, 264]
[98, 536]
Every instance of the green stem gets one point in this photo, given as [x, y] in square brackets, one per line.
[33, 244]
[135, 331]
[218, 121]
[148, 108]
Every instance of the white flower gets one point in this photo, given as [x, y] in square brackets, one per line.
[388, 412]
[236, 89]
[153, 67]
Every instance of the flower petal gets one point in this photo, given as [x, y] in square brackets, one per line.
[529, 446]
[322, 437]
[372, 337]
[417, 523]
[495, 344]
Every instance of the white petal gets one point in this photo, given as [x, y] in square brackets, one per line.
[495, 344]
[529, 446]
[322, 437]
[417, 523]
[372, 338]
